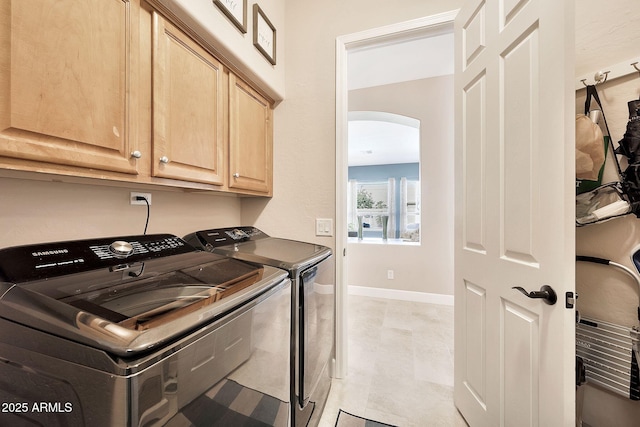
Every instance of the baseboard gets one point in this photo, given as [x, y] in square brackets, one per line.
[401, 295]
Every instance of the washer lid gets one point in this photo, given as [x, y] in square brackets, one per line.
[125, 306]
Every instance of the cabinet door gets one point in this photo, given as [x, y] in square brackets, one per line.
[187, 108]
[66, 79]
[250, 139]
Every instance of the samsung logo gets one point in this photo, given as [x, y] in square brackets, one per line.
[53, 252]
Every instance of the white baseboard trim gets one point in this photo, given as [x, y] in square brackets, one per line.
[401, 295]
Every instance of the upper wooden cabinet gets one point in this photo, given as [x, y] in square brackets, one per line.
[188, 109]
[68, 79]
[250, 139]
[122, 90]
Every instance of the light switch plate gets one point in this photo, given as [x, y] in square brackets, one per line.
[324, 227]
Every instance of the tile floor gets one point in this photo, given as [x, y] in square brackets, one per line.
[400, 367]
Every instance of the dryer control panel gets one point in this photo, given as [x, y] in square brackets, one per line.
[217, 237]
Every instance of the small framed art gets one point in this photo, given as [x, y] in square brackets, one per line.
[264, 34]
[236, 11]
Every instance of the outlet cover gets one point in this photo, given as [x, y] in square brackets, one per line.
[133, 201]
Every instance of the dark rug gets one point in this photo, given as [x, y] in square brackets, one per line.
[346, 419]
[230, 404]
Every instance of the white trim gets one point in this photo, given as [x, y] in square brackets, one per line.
[401, 32]
[341, 355]
[416, 28]
[397, 294]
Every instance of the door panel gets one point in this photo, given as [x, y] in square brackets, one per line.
[474, 99]
[473, 35]
[475, 342]
[515, 215]
[250, 138]
[188, 110]
[68, 76]
[519, 145]
[520, 338]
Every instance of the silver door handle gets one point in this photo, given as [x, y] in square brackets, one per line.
[546, 293]
[164, 159]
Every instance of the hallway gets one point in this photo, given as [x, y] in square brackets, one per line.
[400, 365]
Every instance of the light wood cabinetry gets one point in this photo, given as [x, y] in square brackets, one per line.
[188, 110]
[122, 91]
[250, 138]
[68, 76]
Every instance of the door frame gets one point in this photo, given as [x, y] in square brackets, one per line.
[417, 28]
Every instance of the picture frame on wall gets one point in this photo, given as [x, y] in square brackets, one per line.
[264, 34]
[236, 11]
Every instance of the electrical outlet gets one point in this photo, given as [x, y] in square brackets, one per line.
[133, 201]
[390, 274]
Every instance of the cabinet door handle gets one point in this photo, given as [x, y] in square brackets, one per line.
[164, 159]
[236, 175]
[136, 154]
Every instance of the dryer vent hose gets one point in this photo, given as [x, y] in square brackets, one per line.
[603, 261]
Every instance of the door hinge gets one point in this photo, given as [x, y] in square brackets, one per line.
[570, 299]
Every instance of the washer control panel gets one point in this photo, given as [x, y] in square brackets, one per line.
[121, 249]
[22, 263]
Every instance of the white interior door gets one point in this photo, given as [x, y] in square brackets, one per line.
[514, 356]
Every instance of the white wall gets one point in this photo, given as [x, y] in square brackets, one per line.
[304, 123]
[427, 268]
[605, 37]
[42, 211]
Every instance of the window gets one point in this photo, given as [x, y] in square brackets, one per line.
[372, 204]
[410, 210]
[384, 177]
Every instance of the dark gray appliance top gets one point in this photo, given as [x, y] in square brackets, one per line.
[253, 245]
[125, 295]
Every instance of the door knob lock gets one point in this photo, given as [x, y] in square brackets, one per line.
[546, 293]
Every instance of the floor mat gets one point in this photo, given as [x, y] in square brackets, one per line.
[346, 419]
[230, 404]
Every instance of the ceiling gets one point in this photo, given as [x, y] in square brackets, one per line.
[388, 140]
[401, 61]
[377, 138]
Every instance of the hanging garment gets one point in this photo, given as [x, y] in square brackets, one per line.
[629, 146]
[591, 145]
[590, 152]
[596, 202]
[630, 143]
